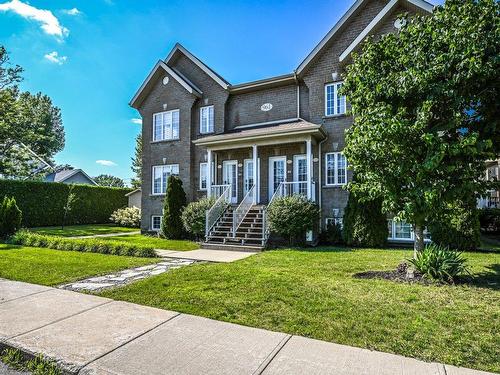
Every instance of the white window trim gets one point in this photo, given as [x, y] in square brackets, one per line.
[401, 239]
[335, 98]
[163, 135]
[152, 221]
[335, 170]
[201, 119]
[153, 176]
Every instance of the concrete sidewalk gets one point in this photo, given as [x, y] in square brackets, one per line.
[218, 256]
[93, 335]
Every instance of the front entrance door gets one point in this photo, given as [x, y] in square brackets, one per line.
[230, 177]
[277, 173]
[300, 174]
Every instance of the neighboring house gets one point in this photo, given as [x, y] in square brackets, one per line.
[252, 141]
[492, 198]
[134, 198]
[70, 176]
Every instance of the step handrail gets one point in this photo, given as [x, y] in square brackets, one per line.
[215, 212]
[242, 210]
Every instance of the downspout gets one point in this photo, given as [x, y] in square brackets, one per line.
[298, 93]
[320, 186]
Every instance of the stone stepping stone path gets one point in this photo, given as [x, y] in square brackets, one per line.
[128, 276]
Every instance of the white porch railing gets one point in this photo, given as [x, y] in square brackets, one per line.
[241, 211]
[217, 190]
[218, 208]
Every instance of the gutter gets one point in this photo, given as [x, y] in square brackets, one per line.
[320, 157]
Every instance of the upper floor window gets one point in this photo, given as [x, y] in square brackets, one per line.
[334, 102]
[336, 168]
[166, 125]
[160, 177]
[207, 119]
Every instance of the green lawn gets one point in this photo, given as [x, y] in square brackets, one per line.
[313, 293]
[157, 243]
[82, 230]
[52, 267]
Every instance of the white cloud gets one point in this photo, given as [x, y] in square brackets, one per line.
[136, 121]
[55, 58]
[107, 163]
[50, 24]
[72, 11]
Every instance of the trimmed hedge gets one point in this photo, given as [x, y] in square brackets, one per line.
[489, 219]
[42, 203]
[89, 245]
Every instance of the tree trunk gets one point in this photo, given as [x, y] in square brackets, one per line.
[418, 246]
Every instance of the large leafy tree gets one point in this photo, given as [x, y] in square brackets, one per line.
[29, 123]
[137, 162]
[109, 180]
[425, 105]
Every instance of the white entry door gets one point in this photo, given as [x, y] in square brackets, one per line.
[300, 174]
[230, 177]
[277, 173]
[248, 181]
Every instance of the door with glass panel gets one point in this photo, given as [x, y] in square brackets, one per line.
[248, 176]
[300, 174]
[277, 173]
[230, 177]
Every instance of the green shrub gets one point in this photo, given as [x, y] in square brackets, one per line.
[364, 223]
[456, 227]
[10, 217]
[439, 263]
[332, 235]
[127, 217]
[42, 203]
[489, 219]
[194, 216]
[174, 203]
[90, 245]
[291, 217]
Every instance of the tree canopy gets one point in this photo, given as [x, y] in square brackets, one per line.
[30, 125]
[109, 180]
[137, 162]
[425, 105]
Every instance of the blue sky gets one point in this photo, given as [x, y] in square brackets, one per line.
[90, 56]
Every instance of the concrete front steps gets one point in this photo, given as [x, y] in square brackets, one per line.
[249, 235]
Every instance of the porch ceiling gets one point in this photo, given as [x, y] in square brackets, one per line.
[296, 131]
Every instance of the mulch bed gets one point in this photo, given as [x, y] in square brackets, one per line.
[402, 274]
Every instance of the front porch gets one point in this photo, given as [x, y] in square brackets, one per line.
[252, 167]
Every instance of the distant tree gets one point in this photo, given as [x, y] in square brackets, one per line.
[137, 163]
[27, 122]
[426, 114]
[108, 180]
[173, 205]
[63, 167]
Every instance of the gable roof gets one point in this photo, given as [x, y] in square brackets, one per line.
[65, 174]
[148, 83]
[380, 17]
[210, 72]
[422, 4]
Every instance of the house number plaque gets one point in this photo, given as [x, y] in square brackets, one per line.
[266, 107]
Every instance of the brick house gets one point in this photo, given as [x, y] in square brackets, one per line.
[246, 143]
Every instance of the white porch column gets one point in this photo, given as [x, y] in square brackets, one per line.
[309, 168]
[209, 173]
[254, 170]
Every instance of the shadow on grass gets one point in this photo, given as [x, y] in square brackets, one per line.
[318, 249]
[489, 279]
